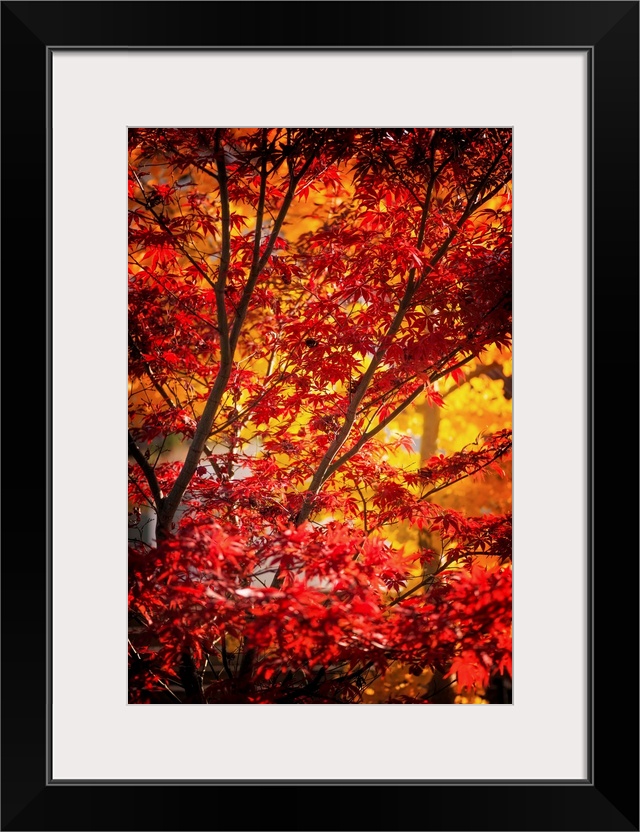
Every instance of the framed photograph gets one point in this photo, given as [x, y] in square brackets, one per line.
[320, 258]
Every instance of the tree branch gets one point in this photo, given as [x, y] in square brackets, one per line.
[326, 462]
[228, 341]
[327, 466]
[496, 456]
[142, 662]
[214, 399]
[147, 470]
[136, 350]
[258, 265]
[409, 592]
[162, 223]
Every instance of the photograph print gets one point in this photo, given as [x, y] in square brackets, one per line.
[319, 415]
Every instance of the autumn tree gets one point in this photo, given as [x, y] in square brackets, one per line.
[292, 293]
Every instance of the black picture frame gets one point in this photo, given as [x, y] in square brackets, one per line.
[608, 798]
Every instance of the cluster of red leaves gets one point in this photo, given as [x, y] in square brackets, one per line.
[331, 617]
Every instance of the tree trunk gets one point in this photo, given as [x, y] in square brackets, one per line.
[429, 540]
